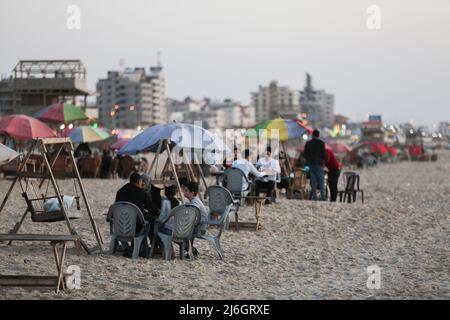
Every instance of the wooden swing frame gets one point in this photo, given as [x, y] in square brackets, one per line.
[48, 164]
[164, 145]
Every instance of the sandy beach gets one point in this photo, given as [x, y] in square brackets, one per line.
[305, 250]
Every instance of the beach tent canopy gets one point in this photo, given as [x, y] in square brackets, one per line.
[61, 113]
[181, 134]
[23, 127]
[7, 154]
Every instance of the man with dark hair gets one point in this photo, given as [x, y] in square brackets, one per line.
[315, 154]
[267, 183]
[247, 167]
[228, 164]
[134, 192]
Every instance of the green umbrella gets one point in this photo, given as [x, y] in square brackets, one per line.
[62, 113]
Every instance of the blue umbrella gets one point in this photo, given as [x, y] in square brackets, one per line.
[180, 134]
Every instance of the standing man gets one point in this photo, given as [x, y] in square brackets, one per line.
[334, 170]
[315, 157]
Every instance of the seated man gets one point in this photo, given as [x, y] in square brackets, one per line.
[190, 191]
[247, 167]
[133, 192]
[267, 183]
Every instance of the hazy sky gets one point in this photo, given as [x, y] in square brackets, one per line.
[226, 48]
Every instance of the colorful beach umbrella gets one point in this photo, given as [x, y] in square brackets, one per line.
[23, 127]
[183, 135]
[62, 113]
[7, 154]
[287, 129]
[87, 134]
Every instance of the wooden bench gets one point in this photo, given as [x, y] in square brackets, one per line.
[33, 281]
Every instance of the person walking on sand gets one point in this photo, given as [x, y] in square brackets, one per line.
[315, 157]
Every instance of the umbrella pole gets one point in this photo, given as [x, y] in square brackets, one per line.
[154, 159]
[283, 145]
[174, 170]
[200, 171]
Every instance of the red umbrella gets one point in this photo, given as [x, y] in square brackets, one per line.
[119, 144]
[22, 127]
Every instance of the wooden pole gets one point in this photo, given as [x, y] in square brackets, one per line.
[283, 145]
[200, 170]
[154, 159]
[52, 162]
[94, 225]
[165, 168]
[55, 186]
[18, 176]
[174, 171]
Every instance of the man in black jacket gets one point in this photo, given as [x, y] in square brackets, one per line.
[315, 157]
[134, 192]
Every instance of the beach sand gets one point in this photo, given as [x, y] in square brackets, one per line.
[305, 250]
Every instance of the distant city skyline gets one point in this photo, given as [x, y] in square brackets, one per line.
[226, 49]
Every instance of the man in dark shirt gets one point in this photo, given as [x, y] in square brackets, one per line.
[315, 157]
[133, 192]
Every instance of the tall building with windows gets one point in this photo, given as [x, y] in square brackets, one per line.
[272, 101]
[132, 98]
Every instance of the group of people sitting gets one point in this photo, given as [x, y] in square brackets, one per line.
[156, 208]
[315, 158]
[264, 182]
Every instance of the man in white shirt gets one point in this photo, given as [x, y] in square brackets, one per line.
[267, 183]
[247, 167]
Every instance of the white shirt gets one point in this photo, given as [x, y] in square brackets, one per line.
[247, 167]
[270, 164]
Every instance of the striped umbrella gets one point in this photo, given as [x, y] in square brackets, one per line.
[86, 134]
[287, 129]
[62, 113]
